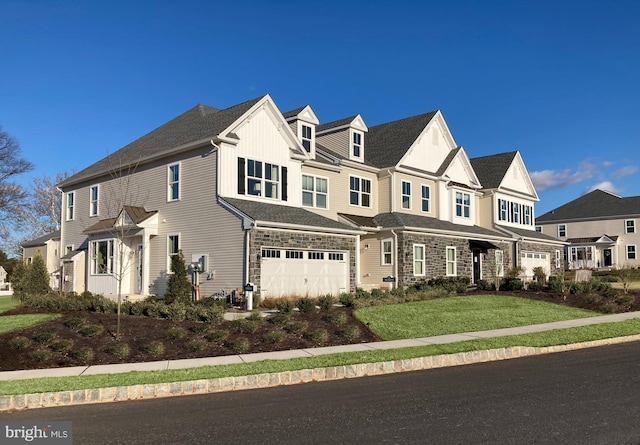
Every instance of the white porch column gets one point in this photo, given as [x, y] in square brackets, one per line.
[146, 261]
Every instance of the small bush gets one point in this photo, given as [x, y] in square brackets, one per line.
[306, 305]
[326, 302]
[378, 293]
[121, 350]
[534, 286]
[199, 329]
[61, 345]
[40, 355]
[610, 293]
[196, 345]
[624, 299]
[211, 315]
[511, 284]
[45, 337]
[279, 319]
[285, 306]
[318, 336]
[245, 326]
[486, 285]
[154, 349]
[592, 298]
[347, 299]
[152, 309]
[239, 345]
[19, 343]
[350, 333]
[274, 337]
[176, 333]
[337, 318]
[451, 284]
[556, 283]
[83, 355]
[91, 330]
[255, 315]
[75, 322]
[608, 308]
[296, 327]
[174, 312]
[216, 335]
[398, 292]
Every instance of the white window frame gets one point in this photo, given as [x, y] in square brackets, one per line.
[169, 252]
[632, 252]
[419, 260]
[68, 249]
[426, 200]
[172, 183]
[386, 252]
[405, 199]
[359, 193]
[460, 207]
[109, 261]
[94, 200]
[314, 191]
[499, 263]
[356, 142]
[259, 178]
[70, 209]
[539, 229]
[451, 262]
[557, 259]
[630, 228]
[562, 230]
[307, 139]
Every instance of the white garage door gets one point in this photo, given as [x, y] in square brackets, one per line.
[303, 273]
[529, 260]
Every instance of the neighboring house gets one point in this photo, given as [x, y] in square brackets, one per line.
[5, 286]
[253, 195]
[601, 229]
[48, 246]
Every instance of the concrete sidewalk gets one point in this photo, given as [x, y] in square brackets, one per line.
[296, 353]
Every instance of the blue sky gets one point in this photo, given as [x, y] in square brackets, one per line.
[556, 80]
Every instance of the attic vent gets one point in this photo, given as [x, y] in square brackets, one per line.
[435, 136]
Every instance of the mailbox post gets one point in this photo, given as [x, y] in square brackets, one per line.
[248, 295]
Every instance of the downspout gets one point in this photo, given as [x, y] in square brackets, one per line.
[357, 261]
[247, 252]
[397, 257]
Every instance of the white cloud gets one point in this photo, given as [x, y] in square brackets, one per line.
[625, 171]
[553, 179]
[606, 186]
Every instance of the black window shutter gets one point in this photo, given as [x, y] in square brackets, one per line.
[284, 183]
[240, 176]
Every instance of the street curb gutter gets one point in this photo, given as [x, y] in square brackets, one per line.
[223, 384]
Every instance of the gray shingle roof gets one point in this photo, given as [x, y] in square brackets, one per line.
[40, 241]
[597, 204]
[261, 211]
[198, 123]
[386, 144]
[335, 124]
[395, 219]
[137, 215]
[292, 113]
[530, 234]
[492, 169]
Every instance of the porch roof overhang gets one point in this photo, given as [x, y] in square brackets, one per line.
[132, 221]
[603, 240]
[484, 246]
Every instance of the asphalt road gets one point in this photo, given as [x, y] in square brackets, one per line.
[582, 397]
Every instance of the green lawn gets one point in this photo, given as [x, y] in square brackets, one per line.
[10, 323]
[462, 314]
[7, 302]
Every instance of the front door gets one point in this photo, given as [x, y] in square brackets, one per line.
[606, 258]
[476, 266]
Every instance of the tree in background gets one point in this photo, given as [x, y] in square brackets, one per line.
[9, 264]
[178, 286]
[12, 195]
[37, 279]
[19, 279]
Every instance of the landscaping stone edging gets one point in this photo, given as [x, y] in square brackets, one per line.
[223, 384]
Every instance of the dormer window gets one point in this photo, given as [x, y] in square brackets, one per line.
[306, 136]
[356, 145]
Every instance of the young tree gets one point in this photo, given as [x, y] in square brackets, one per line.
[19, 280]
[178, 286]
[37, 277]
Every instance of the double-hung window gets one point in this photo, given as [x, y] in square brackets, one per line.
[306, 137]
[314, 191]
[426, 195]
[499, 263]
[173, 248]
[562, 230]
[419, 259]
[93, 204]
[387, 252]
[630, 226]
[631, 252]
[356, 144]
[173, 183]
[451, 261]
[359, 191]
[70, 205]
[406, 195]
[463, 204]
[263, 179]
[515, 212]
[102, 257]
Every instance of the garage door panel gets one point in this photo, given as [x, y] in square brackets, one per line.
[531, 260]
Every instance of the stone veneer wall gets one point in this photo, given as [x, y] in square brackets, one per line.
[435, 253]
[260, 238]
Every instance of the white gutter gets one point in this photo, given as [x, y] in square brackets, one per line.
[270, 224]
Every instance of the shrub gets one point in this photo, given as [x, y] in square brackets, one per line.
[19, 343]
[347, 299]
[318, 336]
[399, 292]
[61, 345]
[362, 294]
[41, 355]
[486, 285]
[337, 318]
[326, 302]
[152, 309]
[174, 312]
[245, 326]
[91, 330]
[378, 293]
[216, 335]
[624, 299]
[274, 337]
[239, 345]
[451, 284]
[592, 298]
[154, 349]
[199, 328]
[255, 315]
[178, 285]
[45, 337]
[511, 284]
[176, 333]
[610, 293]
[279, 319]
[608, 308]
[306, 305]
[121, 350]
[83, 355]
[211, 315]
[196, 345]
[350, 333]
[534, 286]
[296, 327]
[556, 283]
[285, 306]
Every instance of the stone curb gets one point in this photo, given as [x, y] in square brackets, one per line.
[222, 384]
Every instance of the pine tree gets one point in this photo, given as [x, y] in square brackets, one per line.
[37, 277]
[19, 279]
[178, 286]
